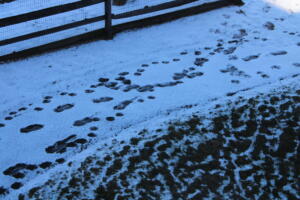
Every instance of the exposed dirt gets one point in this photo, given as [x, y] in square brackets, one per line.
[247, 149]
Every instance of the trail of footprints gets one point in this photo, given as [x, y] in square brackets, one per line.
[124, 84]
[128, 86]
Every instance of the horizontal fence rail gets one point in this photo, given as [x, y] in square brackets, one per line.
[102, 33]
[51, 30]
[155, 8]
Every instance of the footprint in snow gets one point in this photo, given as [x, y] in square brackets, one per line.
[45, 165]
[235, 81]
[131, 87]
[22, 109]
[263, 75]
[72, 94]
[85, 121]
[93, 128]
[230, 50]
[144, 65]
[16, 185]
[64, 107]
[242, 33]
[119, 114]
[233, 57]
[151, 97]
[111, 84]
[30, 128]
[197, 53]
[38, 109]
[269, 25]
[12, 113]
[275, 67]
[146, 88]
[120, 78]
[200, 61]
[123, 105]
[110, 119]
[103, 80]
[88, 91]
[252, 57]
[61, 145]
[183, 53]
[126, 82]
[233, 71]
[123, 73]
[168, 84]
[8, 118]
[47, 99]
[194, 74]
[60, 160]
[230, 94]
[92, 135]
[279, 53]
[103, 99]
[296, 64]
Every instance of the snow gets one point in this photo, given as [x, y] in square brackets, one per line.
[292, 6]
[25, 83]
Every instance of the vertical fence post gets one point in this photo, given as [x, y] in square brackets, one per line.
[108, 20]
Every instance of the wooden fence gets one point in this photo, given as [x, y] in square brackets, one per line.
[102, 33]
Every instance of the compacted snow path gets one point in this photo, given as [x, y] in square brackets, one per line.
[56, 105]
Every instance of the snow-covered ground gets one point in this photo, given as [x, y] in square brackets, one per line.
[160, 69]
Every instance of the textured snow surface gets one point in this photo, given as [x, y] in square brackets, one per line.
[65, 104]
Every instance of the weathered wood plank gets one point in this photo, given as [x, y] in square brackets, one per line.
[108, 19]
